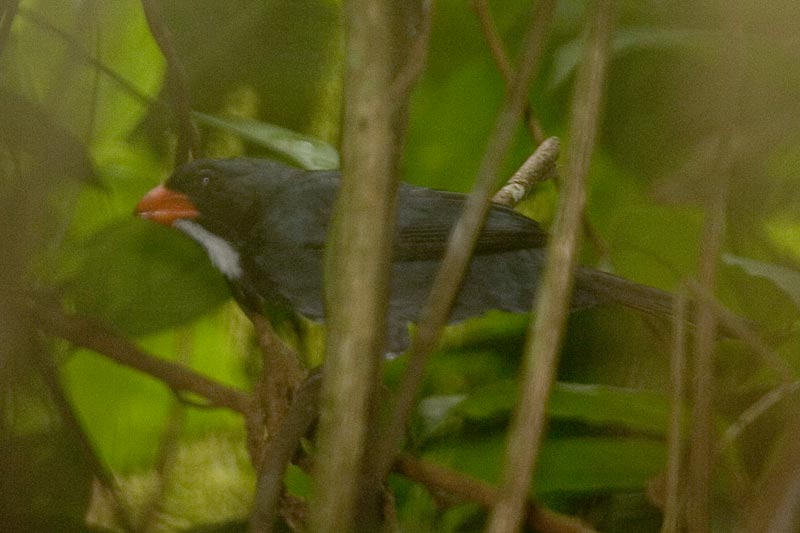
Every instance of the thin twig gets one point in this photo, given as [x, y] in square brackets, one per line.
[169, 445]
[462, 241]
[49, 374]
[415, 58]
[754, 411]
[437, 478]
[282, 373]
[535, 130]
[734, 325]
[279, 452]
[539, 167]
[77, 49]
[675, 451]
[101, 339]
[500, 56]
[188, 143]
[773, 504]
[703, 388]
[7, 14]
[544, 335]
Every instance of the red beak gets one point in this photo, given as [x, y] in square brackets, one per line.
[165, 206]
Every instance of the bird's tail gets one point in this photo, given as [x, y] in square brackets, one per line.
[608, 288]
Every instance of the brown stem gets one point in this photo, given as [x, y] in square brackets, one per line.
[437, 479]
[462, 241]
[500, 56]
[279, 452]
[359, 260]
[103, 340]
[673, 501]
[49, 374]
[545, 333]
[188, 143]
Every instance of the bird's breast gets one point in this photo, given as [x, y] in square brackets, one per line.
[222, 254]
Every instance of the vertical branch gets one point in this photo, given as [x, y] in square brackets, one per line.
[702, 446]
[176, 77]
[673, 500]
[552, 301]
[462, 241]
[359, 255]
[7, 14]
[701, 452]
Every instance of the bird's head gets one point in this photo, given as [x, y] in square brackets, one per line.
[216, 194]
[215, 202]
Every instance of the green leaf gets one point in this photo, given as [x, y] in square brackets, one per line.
[140, 277]
[786, 279]
[631, 39]
[309, 152]
[600, 405]
[572, 464]
[589, 464]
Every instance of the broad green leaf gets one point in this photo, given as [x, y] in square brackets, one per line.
[631, 39]
[586, 464]
[786, 279]
[571, 464]
[309, 152]
[139, 277]
[600, 405]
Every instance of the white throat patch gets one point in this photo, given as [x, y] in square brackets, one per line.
[222, 254]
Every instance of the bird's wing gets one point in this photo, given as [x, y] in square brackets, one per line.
[426, 218]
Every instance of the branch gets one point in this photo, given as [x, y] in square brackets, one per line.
[281, 375]
[101, 339]
[7, 14]
[500, 56]
[415, 60]
[77, 48]
[539, 167]
[279, 452]
[733, 325]
[49, 374]
[437, 478]
[553, 296]
[673, 501]
[359, 262]
[188, 143]
[454, 265]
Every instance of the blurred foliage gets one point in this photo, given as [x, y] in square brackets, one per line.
[85, 130]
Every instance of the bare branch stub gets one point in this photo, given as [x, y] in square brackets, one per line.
[539, 167]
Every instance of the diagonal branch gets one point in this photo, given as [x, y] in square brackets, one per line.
[188, 143]
[99, 338]
[552, 300]
[462, 241]
[500, 56]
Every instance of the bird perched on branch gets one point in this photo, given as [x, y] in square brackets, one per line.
[264, 225]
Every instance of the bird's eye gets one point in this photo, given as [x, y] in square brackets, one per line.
[205, 178]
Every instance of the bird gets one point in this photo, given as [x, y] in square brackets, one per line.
[264, 225]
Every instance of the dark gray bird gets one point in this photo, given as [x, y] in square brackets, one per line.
[264, 226]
